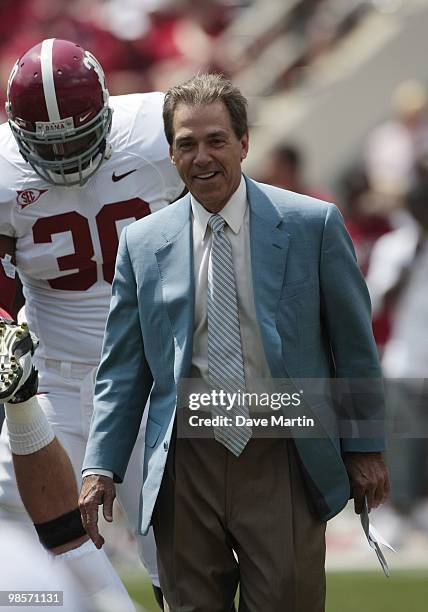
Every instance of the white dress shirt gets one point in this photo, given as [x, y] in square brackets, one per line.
[236, 214]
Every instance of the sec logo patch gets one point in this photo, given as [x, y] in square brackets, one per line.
[29, 196]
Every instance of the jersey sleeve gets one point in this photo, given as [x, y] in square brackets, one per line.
[6, 211]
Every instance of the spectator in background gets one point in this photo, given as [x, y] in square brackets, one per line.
[167, 41]
[365, 212]
[394, 146]
[366, 219]
[285, 168]
[181, 40]
[62, 19]
[398, 277]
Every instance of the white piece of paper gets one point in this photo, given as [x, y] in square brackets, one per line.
[374, 538]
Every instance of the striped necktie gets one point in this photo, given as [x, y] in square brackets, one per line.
[225, 361]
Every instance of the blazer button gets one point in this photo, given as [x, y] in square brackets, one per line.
[165, 446]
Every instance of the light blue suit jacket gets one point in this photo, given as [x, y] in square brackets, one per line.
[312, 308]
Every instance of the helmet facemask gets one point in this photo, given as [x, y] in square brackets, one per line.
[54, 164]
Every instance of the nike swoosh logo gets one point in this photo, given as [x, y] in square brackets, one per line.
[118, 177]
[84, 117]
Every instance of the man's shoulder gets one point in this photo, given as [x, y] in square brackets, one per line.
[291, 203]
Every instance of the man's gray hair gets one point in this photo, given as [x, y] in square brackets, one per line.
[206, 89]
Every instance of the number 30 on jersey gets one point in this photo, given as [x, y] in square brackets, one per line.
[82, 258]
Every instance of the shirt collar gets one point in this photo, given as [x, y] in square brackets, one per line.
[233, 213]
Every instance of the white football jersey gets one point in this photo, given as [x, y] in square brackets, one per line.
[67, 237]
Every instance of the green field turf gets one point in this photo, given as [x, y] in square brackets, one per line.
[346, 592]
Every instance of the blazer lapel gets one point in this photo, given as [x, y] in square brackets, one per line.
[175, 261]
[269, 246]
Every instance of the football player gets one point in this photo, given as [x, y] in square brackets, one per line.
[75, 167]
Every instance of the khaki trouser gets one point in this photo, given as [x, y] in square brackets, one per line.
[213, 506]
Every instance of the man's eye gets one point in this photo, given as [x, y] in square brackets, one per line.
[217, 142]
[185, 146]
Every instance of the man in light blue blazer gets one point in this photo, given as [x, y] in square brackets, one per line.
[292, 306]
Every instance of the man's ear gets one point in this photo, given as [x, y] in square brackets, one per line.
[171, 154]
[244, 146]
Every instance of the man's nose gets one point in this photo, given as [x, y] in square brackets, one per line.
[202, 157]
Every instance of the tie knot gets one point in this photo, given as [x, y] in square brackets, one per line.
[216, 223]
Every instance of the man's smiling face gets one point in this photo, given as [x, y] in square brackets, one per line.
[207, 152]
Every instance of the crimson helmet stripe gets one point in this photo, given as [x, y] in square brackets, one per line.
[48, 79]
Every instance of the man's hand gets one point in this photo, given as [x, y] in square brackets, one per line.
[368, 477]
[96, 491]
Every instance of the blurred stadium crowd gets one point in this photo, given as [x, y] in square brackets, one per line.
[147, 45]
[141, 44]
[266, 47]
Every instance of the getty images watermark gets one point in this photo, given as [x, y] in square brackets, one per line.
[283, 408]
[270, 411]
[226, 403]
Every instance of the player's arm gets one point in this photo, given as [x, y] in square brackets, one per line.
[8, 281]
